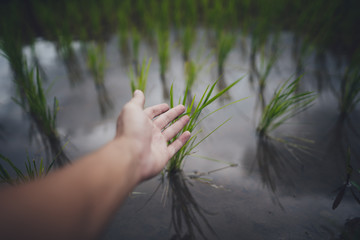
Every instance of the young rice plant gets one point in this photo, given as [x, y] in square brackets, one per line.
[284, 104]
[33, 171]
[139, 81]
[176, 162]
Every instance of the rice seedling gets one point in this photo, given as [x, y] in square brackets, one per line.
[33, 171]
[194, 112]
[96, 62]
[43, 117]
[139, 81]
[284, 105]
[37, 104]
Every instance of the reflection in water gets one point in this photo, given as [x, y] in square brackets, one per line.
[341, 144]
[187, 216]
[340, 137]
[103, 98]
[276, 162]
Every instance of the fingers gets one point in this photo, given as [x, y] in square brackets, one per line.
[178, 143]
[156, 110]
[164, 119]
[175, 128]
[138, 98]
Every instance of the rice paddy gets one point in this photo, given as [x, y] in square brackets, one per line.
[72, 65]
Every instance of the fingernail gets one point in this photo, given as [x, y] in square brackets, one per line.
[136, 92]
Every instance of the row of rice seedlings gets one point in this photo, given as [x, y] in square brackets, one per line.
[285, 104]
[194, 112]
[96, 62]
[139, 80]
[164, 57]
[33, 171]
[310, 17]
[225, 42]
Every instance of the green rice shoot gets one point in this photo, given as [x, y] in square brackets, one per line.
[139, 81]
[194, 112]
[284, 105]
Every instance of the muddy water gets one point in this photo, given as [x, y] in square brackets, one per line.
[274, 192]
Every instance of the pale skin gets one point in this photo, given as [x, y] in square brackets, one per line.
[78, 201]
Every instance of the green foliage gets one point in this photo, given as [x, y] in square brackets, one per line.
[96, 62]
[33, 170]
[194, 112]
[138, 81]
[284, 104]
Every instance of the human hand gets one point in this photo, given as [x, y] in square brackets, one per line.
[148, 133]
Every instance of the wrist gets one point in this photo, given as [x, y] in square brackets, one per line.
[128, 156]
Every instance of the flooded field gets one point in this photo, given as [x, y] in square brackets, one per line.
[238, 183]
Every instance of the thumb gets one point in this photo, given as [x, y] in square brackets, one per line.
[138, 98]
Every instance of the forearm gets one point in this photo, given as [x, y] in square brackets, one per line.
[75, 202]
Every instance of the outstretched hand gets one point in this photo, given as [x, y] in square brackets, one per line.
[148, 133]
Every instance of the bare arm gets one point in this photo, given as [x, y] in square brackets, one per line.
[77, 202]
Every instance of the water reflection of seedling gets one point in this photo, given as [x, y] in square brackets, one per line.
[187, 216]
[138, 81]
[225, 42]
[348, 184]
[284, 105]
[164, 57]
[272, 159]
[176, 162]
